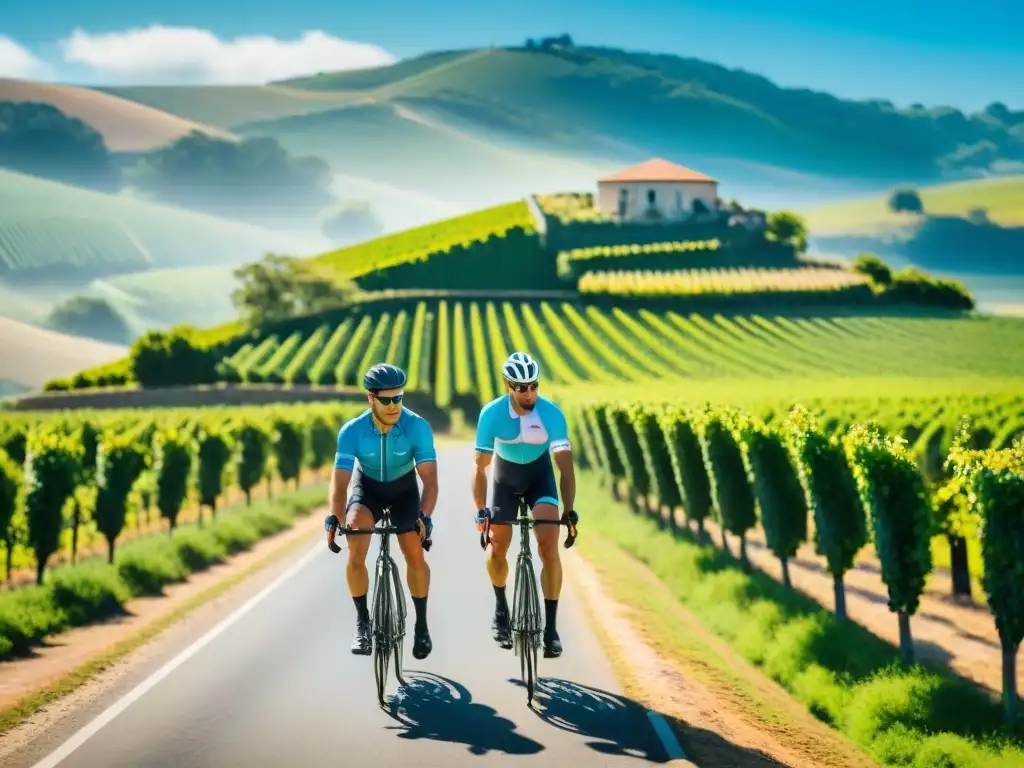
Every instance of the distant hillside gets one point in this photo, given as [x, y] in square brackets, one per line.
[29, 356]
[983, 249]
[125, 125]
[43, 226]
[669, 105]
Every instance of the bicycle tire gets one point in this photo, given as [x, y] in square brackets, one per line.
[381, 624]
[525, 622]
[399, 617]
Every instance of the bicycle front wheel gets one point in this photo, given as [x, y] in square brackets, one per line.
[525, 623]
[383, 619]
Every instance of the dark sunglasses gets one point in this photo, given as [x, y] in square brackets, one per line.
[388, 399]
[531, 387]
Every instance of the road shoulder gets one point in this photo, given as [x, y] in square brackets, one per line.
[724, 711]
[78, 667]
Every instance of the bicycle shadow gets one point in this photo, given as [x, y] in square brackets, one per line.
[432, 706]
[613, 725]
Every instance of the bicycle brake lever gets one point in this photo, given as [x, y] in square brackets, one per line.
[333, 546]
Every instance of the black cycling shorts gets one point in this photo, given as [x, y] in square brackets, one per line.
[401, 494]
[535, 481]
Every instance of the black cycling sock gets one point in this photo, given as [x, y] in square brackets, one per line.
[361, 610]
[550, 609]
[421, 611]
[500, 604]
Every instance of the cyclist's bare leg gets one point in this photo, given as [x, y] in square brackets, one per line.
[358, 545]
[417, 575]
[550, 573]
[547, 548]
[497, 569]
[355, 573]
[497, 554]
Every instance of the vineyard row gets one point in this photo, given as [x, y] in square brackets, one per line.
[455, 347]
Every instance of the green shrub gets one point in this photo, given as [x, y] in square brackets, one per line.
[148, 565]
[199, 550]
[88, 593]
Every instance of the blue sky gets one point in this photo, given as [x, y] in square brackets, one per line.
[903, 50]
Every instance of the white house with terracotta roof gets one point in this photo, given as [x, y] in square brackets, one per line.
[656, 190]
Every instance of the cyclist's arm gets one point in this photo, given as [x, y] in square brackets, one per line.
[484, 452]
[344, 462]
[483, 459]
[425, 456]
[561, 449]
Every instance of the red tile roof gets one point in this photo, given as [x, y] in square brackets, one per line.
[657, 169]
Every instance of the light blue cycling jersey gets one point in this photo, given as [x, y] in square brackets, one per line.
[385, 456]
[521, 439]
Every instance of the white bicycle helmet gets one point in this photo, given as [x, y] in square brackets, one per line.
[520, 368]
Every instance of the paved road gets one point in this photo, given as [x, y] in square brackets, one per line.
[278, 687]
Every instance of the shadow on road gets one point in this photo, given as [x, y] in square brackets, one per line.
[617, 726]
[434, 707]
[613, 725]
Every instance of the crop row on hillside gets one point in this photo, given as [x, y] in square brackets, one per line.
[663, 255]
[71, 478]
[67, 243]
[422, 243]
[577, 343]
[725, 282]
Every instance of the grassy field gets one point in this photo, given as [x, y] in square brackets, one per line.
[31, 356]
[160, 235]
[126, 126]
[1002, 197]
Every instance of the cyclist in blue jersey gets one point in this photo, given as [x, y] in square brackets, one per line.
[521, 430]
[389, 442]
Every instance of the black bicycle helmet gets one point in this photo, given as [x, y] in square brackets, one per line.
[383, 376]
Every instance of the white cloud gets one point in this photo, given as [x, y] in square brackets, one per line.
[161, 54]
[18, 62]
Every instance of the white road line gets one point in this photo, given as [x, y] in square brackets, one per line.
[90, 730]
[673, 749]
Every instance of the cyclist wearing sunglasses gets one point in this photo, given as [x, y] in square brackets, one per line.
[389, 442]
[521, 430]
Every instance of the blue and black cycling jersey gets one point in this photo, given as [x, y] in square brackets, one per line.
[385, 456]
[523, 446]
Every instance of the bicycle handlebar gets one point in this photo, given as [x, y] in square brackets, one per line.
[570, 536]
[380, 529]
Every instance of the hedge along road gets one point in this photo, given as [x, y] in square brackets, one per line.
[275, 684]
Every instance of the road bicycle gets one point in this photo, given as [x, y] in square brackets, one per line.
[388, 611]
[525, 618]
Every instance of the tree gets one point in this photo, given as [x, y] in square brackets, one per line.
[731, 489]
[173, 451]
[897, 503]
[279, 287]
[840, 524]
[787, 229]
[214, 454]
[252, 457]
[40, 140]
[51, 467]
[254, 179]
[289, 445]
[170, 358]
[779, 493]
[353, 222]
[906, 200]
[120, 461]
[877, 270]
[89, 316]
[10, 481]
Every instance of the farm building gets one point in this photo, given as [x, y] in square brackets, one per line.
[657, 190]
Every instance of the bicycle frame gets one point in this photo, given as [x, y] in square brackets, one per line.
[388, 612]
[525, 618]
